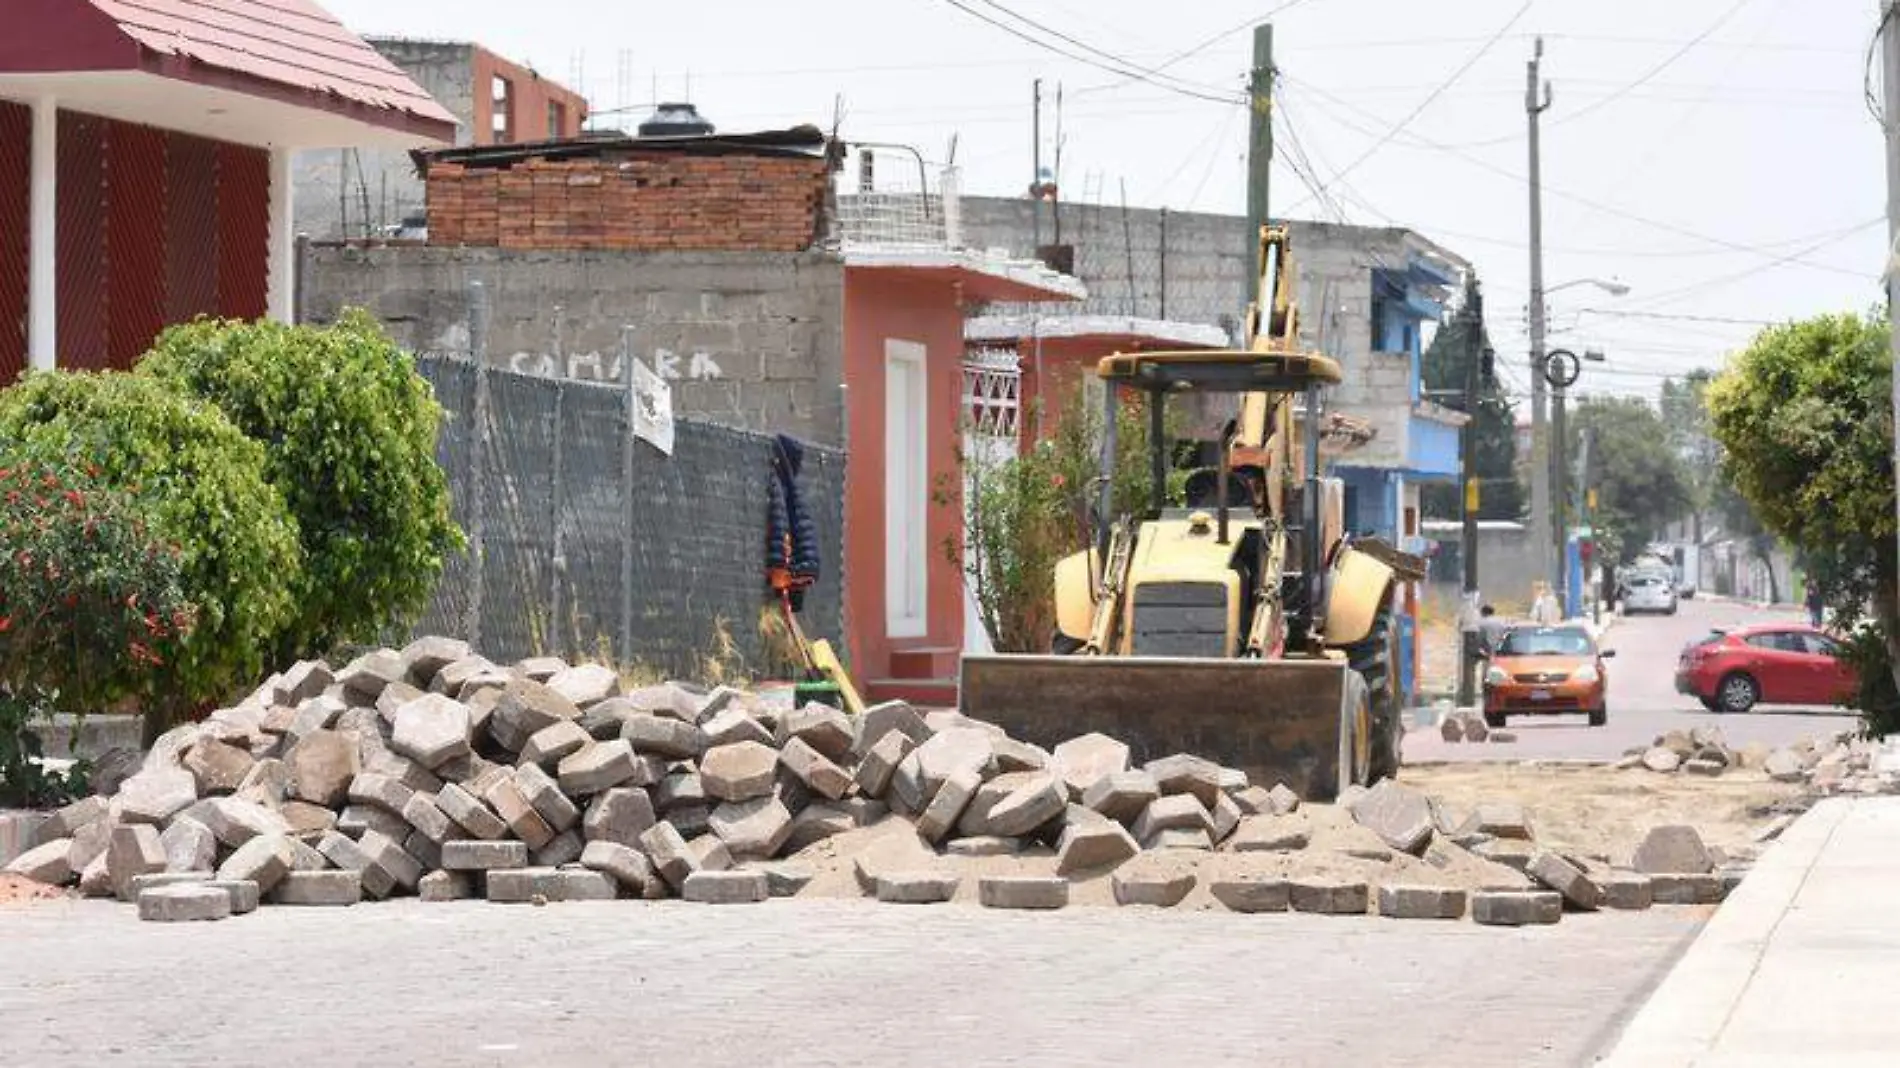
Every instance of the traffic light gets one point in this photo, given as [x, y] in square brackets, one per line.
[1488, 366]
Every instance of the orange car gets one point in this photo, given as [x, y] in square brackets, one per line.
[1546, 671]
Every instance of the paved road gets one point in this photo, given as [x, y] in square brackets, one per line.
[1643, 700]
[815, 983]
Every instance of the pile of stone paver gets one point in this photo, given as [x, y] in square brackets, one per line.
[1839, 763]
[434, 772]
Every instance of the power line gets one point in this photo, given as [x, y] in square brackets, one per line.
[1469, 62]
[1595, 205]
[1669, 296]
[1626, 314]
[1197, 49]
[1114, 64]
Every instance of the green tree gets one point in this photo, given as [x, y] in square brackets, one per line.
[349, 433]
[1804, 414]
[1442, 371]
[1685, 414]
[1638, 478]
[201, 483]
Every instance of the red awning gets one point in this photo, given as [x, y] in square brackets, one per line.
[289, 51]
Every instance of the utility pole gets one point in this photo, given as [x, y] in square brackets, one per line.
[1890, 119]
[1259, 143]
[1035, 161]
[1468, 651]
[1589, 589]
[1542, 534]
[1559, 488]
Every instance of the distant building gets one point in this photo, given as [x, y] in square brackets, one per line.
[360, 193]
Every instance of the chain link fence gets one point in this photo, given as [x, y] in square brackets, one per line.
[586, 542]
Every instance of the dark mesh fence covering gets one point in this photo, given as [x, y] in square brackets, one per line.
[581, 547]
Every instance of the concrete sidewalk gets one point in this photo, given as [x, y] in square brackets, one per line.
[1799, 966]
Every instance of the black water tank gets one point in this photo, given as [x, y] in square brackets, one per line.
[675, 120]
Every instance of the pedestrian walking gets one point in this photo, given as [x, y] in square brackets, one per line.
[1545, 612]
[1815, 604]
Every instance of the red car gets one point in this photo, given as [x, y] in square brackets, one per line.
[1766, 663]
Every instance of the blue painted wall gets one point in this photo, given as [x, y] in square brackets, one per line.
[1434, 448]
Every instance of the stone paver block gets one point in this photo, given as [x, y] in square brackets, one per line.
[1028, 807]
[1254, 800]
[1516, 908]
[1022, 892]
[520, 886]
[735, 887]
[678, 790]
[1404, 902]
[1123, 795]
[735, 725]
[739, 771]
[783, 879]
[1184, 773]
[368, 674]
[814, 769]
[952, 797]
[1271, 834]
[1677, 888]
[949, 752]
[816, 823]
[482, 855]
[475, 819]
[1081, 761]
[385, 853]
[319, 888]
[1013, 755]
[711, 852]
[1226, 816]
[426, 657]
[692, 820]
[540, 668]
[524, 707]
[1172, 812]
[1089, 845]
[346, 854]
[1157, 888]
[446, 886]
[89, 844]
[1399, 815]
[426, 850]
[669, 699]
[664, 736]
[155, 795]
[142, 883]
[597, 766]
[753, 828]
[882, 719]
[426, 816]
[218, 767]
[826, 729]
[581, 884]
[189, 845]
[563, 848]
[236, 822]
[306, 820]
[184, 903]
[1577, 888]
[264, 860]
[304, 680]
[1180, 838]
[628, 866]
[1783, 765]
[1672, 849]
[1260, 893]
[66, 820]
[605, 720]
[1499, 820]
[1662, 759]
[545, 795]
[1334, 897]
[355, 819]
[1626, 890]
[1704, 767]
[96, 879]
[548, 746]
[431, 730]
[666, 848]
[987, 845]
[1285, 801]
[374, 788]
[585, 684]
[49, 863]
[621, 815]
[136, 849]
[917, 887]
[876, 768]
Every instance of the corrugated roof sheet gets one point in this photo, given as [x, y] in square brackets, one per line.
[291, 42]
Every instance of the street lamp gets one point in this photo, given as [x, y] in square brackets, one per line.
[1560, 370]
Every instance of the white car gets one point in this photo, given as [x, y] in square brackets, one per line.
[1650, 593]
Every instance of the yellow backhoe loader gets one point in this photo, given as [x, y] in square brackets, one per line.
[1246, 627]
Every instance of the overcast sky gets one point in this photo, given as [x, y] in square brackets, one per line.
[1717, 156]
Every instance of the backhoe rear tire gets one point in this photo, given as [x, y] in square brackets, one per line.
[1376, 659]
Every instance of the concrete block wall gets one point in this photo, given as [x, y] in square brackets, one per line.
[752, 340]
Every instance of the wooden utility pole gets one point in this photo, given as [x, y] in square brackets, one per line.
[1259, 144]
[1473, 315]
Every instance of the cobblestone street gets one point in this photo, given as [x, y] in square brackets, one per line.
[815, 983]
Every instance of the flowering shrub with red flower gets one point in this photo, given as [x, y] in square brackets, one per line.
[90, 600]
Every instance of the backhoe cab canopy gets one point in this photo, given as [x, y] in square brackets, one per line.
[1229, 371]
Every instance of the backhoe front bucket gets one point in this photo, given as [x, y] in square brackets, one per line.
[1292, 721]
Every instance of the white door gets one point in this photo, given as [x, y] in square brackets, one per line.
[906, 489]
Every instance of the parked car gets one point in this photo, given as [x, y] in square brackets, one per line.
[1650, 592]
[1546, 671]
[1766, 663]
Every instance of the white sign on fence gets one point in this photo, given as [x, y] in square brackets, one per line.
[652, 408]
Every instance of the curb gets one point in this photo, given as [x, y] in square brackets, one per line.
[1689, 1010]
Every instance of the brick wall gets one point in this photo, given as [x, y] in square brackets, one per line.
[644, 201]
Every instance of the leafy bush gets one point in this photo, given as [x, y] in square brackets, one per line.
[349, 432]
[200, 483]
[91, 603]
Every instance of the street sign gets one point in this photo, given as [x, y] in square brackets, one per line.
[1561, 368]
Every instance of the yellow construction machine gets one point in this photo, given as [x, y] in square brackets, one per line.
[1246, 627]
